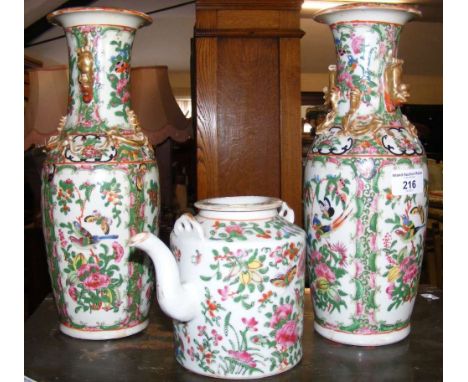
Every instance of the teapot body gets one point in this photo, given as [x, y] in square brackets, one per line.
[247, 269]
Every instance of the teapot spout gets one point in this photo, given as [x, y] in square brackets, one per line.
[177, 300]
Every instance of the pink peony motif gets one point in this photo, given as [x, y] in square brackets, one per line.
[406, 262]
[96, 281]
[359, 228]
[323, 271]
[121, 84]
[358, 267]
[410, 274]
[373, 242]
[125, 97]
[372, 280]
[243, 356]
[118, 251]
[72, 292]
[316, 256]
[281, 313]
[346, 78]
[389, 290]
[287, 335]
[356, 43]
[359, 309]
[235, 228]
[87, 268]
[251, 323]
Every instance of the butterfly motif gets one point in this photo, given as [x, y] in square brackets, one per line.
[283, 280]
[97, 218]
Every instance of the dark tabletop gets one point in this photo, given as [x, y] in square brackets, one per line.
[148, 356]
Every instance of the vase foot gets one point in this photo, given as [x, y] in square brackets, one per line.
[103, 334]
[363, 339]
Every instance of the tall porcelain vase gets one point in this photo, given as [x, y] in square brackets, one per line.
[100, 183]
[365, 185]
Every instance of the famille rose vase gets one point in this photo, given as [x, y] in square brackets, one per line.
[234, 285]
[100, 183]
[365, 185]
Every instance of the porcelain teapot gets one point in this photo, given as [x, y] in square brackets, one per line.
[234, 285]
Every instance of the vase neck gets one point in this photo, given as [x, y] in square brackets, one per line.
[99, 78]
[365, 52]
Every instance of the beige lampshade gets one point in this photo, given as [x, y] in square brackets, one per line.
[47, 102]
[155, 106]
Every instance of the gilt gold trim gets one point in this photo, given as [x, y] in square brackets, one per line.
[85, 63]
[396, 93]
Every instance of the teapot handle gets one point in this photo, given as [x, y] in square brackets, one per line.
[286, 212]
[188, 225]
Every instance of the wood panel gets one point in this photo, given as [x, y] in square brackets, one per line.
[248, 19]
[290, 125]
[207, 134]
[248, 99]
[248, 143]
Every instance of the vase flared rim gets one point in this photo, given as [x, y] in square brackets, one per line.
[53, 17]
[411, 12]
[239, 204]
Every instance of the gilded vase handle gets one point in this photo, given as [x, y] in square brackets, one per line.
[85, 63]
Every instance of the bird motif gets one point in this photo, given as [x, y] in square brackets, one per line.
[84, 238]
[322, 229]
[325, 207]
[409, 228]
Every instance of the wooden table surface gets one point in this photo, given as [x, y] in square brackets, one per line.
[148, 356]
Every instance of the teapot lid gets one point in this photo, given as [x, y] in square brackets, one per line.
[239, 203]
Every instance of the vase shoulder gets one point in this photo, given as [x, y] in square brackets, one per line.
[391, 142]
